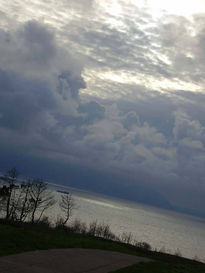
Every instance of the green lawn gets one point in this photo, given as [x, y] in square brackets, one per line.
[16, 238]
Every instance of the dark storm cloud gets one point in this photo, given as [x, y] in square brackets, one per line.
[155, 139]
[37, 87]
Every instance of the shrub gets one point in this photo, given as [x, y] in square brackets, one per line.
[126, 237]
[78, 227]
[143, 245]
[92, 230]
[60, 224]
[101, 230]
[43, 222]
[178, 253]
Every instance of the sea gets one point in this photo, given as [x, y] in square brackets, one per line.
[164, 230]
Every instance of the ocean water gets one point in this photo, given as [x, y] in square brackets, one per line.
[164, 230]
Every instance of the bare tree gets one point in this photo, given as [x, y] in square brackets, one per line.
[40, 198]
[14, 199]
[3, 199]
[67, 205]
[19, 201]
[7, 193]
[24, 206]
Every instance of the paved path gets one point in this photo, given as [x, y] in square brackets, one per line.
[73, 260]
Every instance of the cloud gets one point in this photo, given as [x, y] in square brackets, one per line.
[182, 43]
[41, 84]
[122, 41]
[48, 110]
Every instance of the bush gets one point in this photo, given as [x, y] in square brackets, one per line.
[101, 230]
[60, 224]
[143, 245]
[92, 230]
[78, 227]
[44, 222]
[178, 253]
[126, 237]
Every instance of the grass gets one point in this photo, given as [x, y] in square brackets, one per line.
[162, 267]
[16, 238]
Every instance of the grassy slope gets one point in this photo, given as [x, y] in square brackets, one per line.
[26, 237]
[163, 267]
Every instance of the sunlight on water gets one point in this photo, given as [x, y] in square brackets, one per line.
[93, 202]
[162, 229]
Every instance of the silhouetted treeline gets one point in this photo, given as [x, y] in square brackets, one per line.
[28, 201]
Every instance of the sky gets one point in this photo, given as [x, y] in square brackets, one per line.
[107, 96]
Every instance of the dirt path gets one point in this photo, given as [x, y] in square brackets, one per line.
[74, 260]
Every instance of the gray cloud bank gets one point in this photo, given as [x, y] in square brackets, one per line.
[147, 145]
